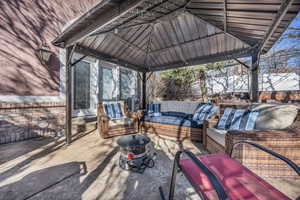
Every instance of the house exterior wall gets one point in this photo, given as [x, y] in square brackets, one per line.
[25, 26]
[31, 94]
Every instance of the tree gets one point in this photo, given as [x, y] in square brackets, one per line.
[177, 83]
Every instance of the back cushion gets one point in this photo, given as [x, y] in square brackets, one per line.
[188, 107]
[237, 119]
[122, 104]
[204, 111]
[153, 109]
[113, 110]
[275, 116]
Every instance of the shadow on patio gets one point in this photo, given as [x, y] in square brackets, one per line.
[87, 169]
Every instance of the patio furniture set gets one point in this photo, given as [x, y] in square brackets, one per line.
[220, 128]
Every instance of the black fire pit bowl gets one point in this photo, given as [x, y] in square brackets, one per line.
[135, 152]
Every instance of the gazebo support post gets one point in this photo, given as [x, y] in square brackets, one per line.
[68, 122]
[254, 77]
[144, 88]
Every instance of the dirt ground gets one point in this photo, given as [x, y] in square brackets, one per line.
[45, 168]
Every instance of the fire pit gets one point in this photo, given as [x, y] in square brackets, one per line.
[136, 152]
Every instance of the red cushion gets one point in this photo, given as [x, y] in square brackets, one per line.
[238, 181]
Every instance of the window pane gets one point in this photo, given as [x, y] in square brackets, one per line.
[109, 87]
[127, 84]
[82, 85]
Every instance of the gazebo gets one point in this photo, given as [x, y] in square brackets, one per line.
[154, 35]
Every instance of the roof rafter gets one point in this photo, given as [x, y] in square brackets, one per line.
[128, 43]
[225, 15]
[276, 21]
[186, 42]
[148, 48]
[207, 59]
[168, 15]
[118, 11]
[134, 17]
[230, 34]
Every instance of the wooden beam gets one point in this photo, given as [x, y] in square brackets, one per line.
[108, 16]
[91, 52]
[254, 77]
[276, 21]
[207, 59]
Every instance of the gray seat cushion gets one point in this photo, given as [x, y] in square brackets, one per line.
[275, 116]
[217, 135]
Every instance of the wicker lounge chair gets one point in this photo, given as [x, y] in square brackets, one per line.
[285, 141]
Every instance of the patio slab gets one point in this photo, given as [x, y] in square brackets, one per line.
[88, 169]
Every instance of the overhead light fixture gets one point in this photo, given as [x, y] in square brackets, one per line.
[116, 30]
[44, 53]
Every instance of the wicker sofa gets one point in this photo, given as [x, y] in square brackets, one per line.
[175, 121]
[127, 124]
[284, 141]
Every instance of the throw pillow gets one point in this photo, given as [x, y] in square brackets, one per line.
[113, 110]
[239, 119]
[275, 116]
[204, 112]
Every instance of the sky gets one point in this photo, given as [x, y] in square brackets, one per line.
[285, 43]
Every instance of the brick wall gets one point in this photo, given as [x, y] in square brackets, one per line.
[20, 121]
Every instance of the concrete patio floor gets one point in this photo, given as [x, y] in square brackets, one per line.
[45, 168]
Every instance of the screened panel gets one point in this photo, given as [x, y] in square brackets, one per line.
[82, 85]
[128, 84]
[109, 86]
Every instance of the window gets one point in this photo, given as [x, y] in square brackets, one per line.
[128, 81]
[82, 85]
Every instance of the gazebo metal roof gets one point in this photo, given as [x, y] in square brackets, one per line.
[151, 35]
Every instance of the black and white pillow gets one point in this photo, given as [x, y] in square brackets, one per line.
[237, 119]
[113, 110]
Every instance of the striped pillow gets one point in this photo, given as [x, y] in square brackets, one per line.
[237, 119]
[153, 110]
[113, 110]
[203, 112]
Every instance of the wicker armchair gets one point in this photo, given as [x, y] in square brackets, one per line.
[285, 142]
[113, 127]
